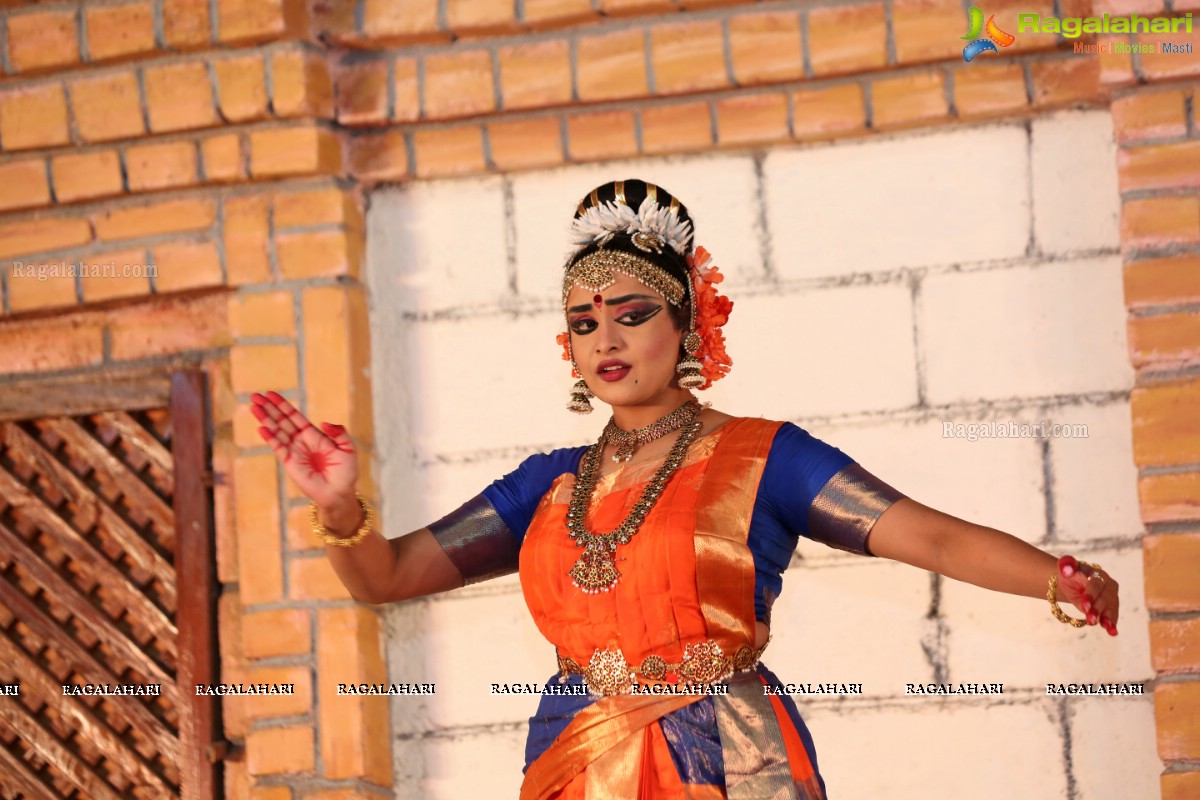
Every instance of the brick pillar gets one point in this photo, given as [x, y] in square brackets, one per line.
[1159, 168]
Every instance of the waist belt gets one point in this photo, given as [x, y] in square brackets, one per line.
[703, 664]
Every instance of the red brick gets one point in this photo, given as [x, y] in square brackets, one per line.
[989, 89]
[847, 39]
[78, 343]
[262, 314]
[458, 84]
[406, 89]
[42, 235]
[1175, 644]
[827, 113]
[1170, 565]
[1165, 340]
[83, 176]
[616, 8]
[1164, 66]
[526, 143]
[1149, 115]
[913, 99]
[221, 158]
[34, 116]
[268, 793]
[243, 21]
[337, 358]
[449, 151]
[119, 31]
[535, 74]
[387, 20]
[301, 85]
[688, 57]
[480, 15]
[161, 166]
[247, 239]
[1177, 718]
[1126, 7]
[928, 30]
[169, 216]
[280, 751]
[130, 276]
[1116, 69]
[352, 728]
[266, 706]
[263, 367]
[187, 265]
[325, 206]
[765, 48]
[314, 579]
[23, 184]
[752, 119]
[241, 88]
[299, 150]
[42, 40]
[362, 93]
[1164, 281]
[611, 66]
[108, 107]
[601, 135]
[547, 13]
[1180, 785]
[379, 156]
[179, 97]
[167, 327]
[677, 128]
[319, 254]
[1159, 222]
[1163, 166]
[56, 290]
[1066, 81]
[186, 24]
[1166, 426]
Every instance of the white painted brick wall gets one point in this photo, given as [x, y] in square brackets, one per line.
[1076, 201]
[910, 201]
[997, 332]
[1048, 329]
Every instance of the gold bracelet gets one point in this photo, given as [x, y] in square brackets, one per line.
[331, 538]
[1052, 596]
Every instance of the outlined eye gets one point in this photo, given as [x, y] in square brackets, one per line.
[583, 326]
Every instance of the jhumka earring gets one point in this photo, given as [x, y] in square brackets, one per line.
[580, 395]
[689, 367]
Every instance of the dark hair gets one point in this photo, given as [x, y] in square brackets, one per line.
[632, 193]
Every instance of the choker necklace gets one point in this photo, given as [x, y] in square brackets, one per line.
[628, 441]
[596, 570]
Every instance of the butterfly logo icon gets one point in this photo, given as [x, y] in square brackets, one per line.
[995, 36]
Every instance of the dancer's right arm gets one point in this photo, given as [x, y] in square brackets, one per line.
[323, 464]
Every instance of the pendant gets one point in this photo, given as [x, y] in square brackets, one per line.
[595, 571]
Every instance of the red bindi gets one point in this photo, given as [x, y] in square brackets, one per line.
[597, 300]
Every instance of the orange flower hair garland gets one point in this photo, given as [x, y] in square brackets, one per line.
[712, 312]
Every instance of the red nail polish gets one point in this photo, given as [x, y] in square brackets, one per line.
[1087, 606]
[1067, 566]
[1091, 618]
[276, 397]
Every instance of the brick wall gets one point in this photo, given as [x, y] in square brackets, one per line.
[230, 142]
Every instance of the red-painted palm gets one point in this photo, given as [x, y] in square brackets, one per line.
[321, 462]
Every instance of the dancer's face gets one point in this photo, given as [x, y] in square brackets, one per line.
[627, 325]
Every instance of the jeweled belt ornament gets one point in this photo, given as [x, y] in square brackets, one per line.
[703, 664]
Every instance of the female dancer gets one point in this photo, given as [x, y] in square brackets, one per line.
[651, 559]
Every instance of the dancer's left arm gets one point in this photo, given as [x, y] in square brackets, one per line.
[929, 539]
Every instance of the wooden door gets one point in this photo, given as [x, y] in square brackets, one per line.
[107, 590]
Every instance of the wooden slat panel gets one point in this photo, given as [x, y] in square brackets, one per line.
[135, 434]
[69, 596]
[196, 565]
[137, 549]
[17, 774]
[66, 763]
[84, 663]
[102, 570]
[36, 682]
[98, 455]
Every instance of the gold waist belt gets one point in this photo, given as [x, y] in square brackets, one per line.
[703, 664]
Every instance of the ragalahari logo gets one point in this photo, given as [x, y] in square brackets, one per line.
[994, 37]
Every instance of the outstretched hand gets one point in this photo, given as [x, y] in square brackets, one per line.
[321, 462]
[1091, 590]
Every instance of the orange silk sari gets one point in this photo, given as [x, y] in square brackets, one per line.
[687, 577]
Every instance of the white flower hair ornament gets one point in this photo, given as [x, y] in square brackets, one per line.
[650, 227]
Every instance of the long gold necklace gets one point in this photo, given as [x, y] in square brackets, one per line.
[596, 570]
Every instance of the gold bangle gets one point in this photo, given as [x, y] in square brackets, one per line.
[331, 538]
[1052, 596]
